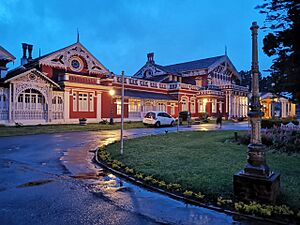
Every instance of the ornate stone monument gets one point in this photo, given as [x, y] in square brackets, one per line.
[256, 181]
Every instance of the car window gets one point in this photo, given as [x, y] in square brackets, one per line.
[167, 115]
[150, 115]
[161, 114]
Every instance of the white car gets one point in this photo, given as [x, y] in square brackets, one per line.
[158, 119]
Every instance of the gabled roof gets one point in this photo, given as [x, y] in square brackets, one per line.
[192, 65]
[36, 72]
[37, 61]
[5, 55]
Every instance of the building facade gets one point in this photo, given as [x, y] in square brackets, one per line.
[275, 106]
[70, 83]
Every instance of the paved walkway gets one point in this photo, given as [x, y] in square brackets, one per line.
[49, 179]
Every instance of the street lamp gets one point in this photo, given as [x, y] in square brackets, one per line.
[111, 93]
[256, 182]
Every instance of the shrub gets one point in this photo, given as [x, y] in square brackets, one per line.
[188, 193]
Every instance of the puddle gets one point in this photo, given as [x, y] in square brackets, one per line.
[34, 183]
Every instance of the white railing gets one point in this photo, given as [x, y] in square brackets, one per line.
[234, 87]
[30, 115]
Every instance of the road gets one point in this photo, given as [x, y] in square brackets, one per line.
[50, 179]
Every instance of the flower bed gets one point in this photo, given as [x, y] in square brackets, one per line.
[282, 212]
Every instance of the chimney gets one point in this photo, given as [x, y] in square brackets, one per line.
[150, 57]
[29, 52]
[24, 57]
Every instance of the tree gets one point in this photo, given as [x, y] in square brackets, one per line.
[283, 43]
[265, 83]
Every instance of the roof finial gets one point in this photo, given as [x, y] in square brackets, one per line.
[226, 50]
[77, 35]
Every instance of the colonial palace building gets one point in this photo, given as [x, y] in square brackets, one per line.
[70, 83]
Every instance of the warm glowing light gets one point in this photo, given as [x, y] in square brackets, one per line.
[112, 92]
[204, 100]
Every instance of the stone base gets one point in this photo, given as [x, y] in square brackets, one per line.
[256, 188]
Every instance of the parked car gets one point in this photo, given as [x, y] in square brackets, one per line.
[158, 119]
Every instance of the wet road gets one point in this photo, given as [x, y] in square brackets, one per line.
[49, 179]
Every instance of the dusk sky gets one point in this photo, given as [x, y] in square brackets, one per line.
[121, 33]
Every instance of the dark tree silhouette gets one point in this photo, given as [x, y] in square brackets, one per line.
[283, 43]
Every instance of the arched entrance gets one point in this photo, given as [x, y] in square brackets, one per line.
[31, 105]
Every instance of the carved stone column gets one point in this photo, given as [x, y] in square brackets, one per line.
[255, 181]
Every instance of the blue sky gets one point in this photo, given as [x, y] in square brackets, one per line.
[121, 33]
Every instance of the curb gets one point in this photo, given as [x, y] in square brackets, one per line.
[179, 197]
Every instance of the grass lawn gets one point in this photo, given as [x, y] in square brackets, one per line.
[204, 161]
[46, 129]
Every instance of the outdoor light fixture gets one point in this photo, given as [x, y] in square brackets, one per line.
[111, 93]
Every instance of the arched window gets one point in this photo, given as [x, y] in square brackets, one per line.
[31, 99]
[192, 105]
[184, 103]
[161, 107]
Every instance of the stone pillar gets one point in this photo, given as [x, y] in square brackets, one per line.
[255, 181]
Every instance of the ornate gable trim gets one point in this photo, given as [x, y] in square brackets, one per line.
[228, 66]
[149, 70]
[34, 72]
[62, 59]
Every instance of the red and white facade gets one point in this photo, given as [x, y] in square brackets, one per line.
[71, 83]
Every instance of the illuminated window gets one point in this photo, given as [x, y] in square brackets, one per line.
[201, 106]
[119, 107]
[172, 108]
[161, 107]
[184, 106]
[192, 105]
[214, 106]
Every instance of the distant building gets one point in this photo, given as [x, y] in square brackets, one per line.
[275, 106]
[70, 83]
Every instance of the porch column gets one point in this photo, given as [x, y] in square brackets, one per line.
[99, 96]
[229, 105]
[226, 102]
[66, 105]
[49, 119]
[10, 107]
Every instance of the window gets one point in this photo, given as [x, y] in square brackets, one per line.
[201, 106]
[3, 103]
[75, 102]
[184, 106]
[192, 105]
[119, 107]
[214, 106]
[161, 106]
[134, 106]
[172, 108]
[57, 103]
[31, 99]
[83, 102]
[91, 103]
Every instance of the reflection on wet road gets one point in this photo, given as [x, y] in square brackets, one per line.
[49, 179]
